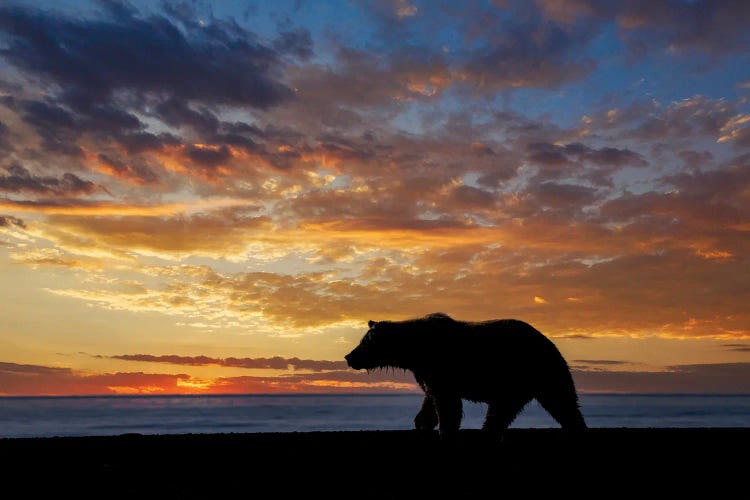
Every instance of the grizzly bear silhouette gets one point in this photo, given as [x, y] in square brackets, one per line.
[505, 363]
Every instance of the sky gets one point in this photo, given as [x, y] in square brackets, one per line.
[215, 197]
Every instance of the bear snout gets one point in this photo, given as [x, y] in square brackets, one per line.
[352, 361]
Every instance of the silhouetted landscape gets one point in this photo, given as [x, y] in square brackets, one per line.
[383, 464]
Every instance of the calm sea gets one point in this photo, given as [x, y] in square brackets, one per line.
[109, 415]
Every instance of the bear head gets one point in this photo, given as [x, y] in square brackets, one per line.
[380, 347]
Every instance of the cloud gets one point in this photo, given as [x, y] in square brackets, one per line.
[404, 9]
[66, 206]
[136, 172]
[717, 378]
[19, 179]
[737, 347]
[218, 63]
[275, 363]
[208, 156]
[697, 116]
[10, 221]
[737, 131]
[35, 380]
[552, 194]
[685, 243]
[52, 257]
[527, 51]
[406, 166]
[143, 121]
[608, 362]
[154, 230]
[363, 88]
[686, 203]
[715, 27]
[596, 165]
[468, 281]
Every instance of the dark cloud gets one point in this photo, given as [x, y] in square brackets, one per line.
[19, 179]
[564, 195]
[577, 336]
[178, 113]
[208, 157]
[47, 116]
[718, 378]
[101, 75]
[547, 154]
[32, 369]
[61, 124]
[594, 165]
[556, 155]
[9, 220]
[716, 27]
[146, 141]
[133, 171]
[737, 347]
[600, 362]
[471, 196]
[275, 363]
[614, 157]
[55, 125]
[297, 43]
[529, 51]
[216, 63]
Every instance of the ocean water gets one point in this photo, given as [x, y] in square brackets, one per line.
[112, 415]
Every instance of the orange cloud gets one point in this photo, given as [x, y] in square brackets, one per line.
[103, 208]
[35, 380]
[275, 363]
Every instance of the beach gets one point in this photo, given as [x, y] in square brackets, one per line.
[378, 464]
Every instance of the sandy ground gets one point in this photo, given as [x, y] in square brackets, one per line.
[602, 463]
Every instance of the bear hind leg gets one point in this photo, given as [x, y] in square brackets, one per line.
[501, 414]
[563, 409]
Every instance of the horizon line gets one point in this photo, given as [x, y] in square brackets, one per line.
[342, 394]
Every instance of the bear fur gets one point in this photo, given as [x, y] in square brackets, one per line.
[505, 363]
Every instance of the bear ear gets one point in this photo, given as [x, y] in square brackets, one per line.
[371, 323]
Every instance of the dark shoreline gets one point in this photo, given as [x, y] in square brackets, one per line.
[378, 464]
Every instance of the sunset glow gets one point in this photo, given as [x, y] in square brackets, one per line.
[216, 198]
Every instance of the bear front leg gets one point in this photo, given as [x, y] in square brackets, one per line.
[426, 419]
[449, 412]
